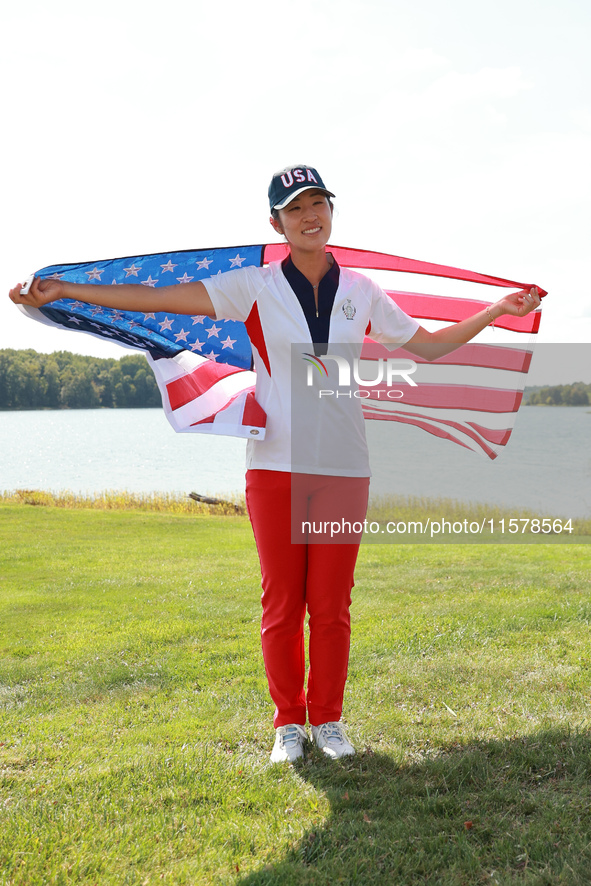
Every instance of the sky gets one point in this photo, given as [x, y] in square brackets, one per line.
[452, 132]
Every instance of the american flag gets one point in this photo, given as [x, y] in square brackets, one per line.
[204, 367]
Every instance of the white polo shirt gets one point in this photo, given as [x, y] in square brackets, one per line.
[306, 433]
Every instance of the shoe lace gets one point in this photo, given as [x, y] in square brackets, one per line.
[291, 736]
[333, 732]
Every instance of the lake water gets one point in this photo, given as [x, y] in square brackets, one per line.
[546, 467]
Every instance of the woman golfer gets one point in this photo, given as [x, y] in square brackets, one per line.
[306, 299]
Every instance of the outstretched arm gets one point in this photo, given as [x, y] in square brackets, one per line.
[184, 298]
[432, 345]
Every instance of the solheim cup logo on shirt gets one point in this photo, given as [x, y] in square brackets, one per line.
[349, 373]
[349, 310]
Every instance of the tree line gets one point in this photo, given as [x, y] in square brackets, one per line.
[29, 380]
[62, 380]
[577, 394]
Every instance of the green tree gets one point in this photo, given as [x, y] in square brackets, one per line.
[51, 374]
[78, 390]
[29, 380]
[575, 395]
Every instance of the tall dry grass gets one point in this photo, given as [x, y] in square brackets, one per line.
[123, 500]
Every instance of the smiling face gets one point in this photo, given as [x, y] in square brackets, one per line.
[306, 222]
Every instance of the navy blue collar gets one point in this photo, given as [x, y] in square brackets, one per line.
[318, 324]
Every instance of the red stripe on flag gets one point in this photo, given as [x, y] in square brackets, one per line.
[275, 252]
[425, 425]
[482, 356]
[220, 410]
[182, 390]
[467, 397]
[380, 261]
[428, 424]
[252, 414]
[500, 437]
[440, 307]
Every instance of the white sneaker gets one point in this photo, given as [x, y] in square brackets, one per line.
[332, 740]
[289, 743]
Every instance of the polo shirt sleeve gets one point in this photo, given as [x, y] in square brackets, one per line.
[234, 293]
[389, 323]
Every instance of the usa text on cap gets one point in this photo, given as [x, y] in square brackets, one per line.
[291, 181]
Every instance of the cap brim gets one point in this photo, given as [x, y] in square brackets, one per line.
[292, 196]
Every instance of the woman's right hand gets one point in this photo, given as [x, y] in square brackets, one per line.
[40, 293]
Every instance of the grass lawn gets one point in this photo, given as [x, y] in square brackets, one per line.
[135, 724]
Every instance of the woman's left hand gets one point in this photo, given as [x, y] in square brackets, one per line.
[517, 303]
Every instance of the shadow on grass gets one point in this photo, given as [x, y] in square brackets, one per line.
[513, 811]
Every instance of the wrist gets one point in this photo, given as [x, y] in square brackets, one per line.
[67, 289]
[493, 312]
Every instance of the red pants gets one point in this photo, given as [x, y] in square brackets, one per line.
[313, 576]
